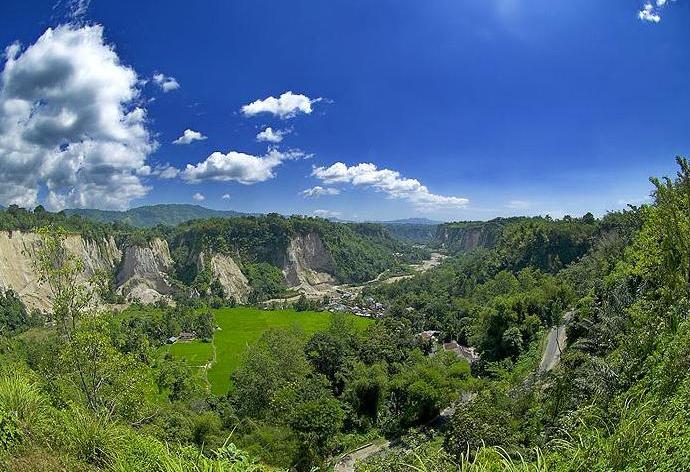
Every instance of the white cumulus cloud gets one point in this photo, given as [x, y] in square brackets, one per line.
[271, 136]
[387, 181]
[286, 106]
[166, 83]
[238, 166]
[70, 123]
[651, 12]
[198, 197]
[189, 136]
[319, 191]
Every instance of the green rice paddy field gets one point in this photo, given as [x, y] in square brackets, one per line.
[240, 327]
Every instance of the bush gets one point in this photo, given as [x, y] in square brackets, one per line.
[10, 431]
[91, 438]
[21, 400]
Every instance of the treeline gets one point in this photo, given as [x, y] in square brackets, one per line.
[99, 394]
[15, 218]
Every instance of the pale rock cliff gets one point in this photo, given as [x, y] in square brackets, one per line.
[308, 264]
[143, 274]
[228, 273]
[18, 273]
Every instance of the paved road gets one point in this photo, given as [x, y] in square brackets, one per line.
[555, 344]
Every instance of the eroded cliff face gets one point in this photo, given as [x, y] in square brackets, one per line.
[17, 272]
[143, 274]
[308, 264]
[466, 237]
[228, 273]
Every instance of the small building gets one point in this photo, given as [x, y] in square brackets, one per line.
[186, 336]
[172, 339]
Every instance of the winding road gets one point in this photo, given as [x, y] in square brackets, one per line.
[555, 343]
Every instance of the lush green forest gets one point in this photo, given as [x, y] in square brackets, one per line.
[82, 389]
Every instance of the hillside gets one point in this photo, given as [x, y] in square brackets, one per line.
[153, 215]
[241, 258]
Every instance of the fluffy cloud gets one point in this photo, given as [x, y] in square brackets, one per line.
[387, 181]
[70, 124]
[651, 12]
[271, 136]
[166, 83]
[189, 136]
[238, 166]
[648, 13]
[319, 191]
[286, 106]
[198, 197]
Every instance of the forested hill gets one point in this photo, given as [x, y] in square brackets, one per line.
[618, 397]
[153, 215]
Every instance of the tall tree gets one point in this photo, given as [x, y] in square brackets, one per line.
[61, 271]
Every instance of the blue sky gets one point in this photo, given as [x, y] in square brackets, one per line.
[466, 109]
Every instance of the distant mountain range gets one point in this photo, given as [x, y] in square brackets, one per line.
[152, 215]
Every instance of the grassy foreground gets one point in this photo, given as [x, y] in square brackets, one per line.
[240, 327]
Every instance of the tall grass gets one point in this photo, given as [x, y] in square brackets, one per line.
[22, 399]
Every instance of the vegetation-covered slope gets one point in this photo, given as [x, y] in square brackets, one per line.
[618, 399]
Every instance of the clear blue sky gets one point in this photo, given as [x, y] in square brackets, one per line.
[518, 106]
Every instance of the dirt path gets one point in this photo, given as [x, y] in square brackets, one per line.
[555, 344]
[347, 462]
